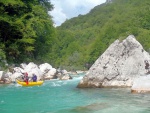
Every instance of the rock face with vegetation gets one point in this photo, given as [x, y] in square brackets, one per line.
[118, 66]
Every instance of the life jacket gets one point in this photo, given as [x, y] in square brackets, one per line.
[26, 78]
[34, 78]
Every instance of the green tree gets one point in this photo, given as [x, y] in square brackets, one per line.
[26, 29]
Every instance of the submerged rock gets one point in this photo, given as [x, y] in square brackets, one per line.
[118, 66]
[65, 77]
[90, 108]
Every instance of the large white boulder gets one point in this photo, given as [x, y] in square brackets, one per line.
[64, 72]
[32, 68]
[15, 75]
[118, 66]
[141, 84]
[5, 78]
[1, 74]
[50, 74]
[65, 77]
[23, 65]
[8, 74]
[45, 67]
[18, 70]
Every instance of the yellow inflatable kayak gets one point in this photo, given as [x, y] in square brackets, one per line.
[30, 83]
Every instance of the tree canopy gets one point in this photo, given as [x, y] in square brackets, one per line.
[26, 30]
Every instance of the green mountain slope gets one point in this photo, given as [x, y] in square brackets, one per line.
[81, 40]
[27, 32]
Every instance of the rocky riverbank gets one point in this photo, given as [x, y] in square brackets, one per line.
[43, 72]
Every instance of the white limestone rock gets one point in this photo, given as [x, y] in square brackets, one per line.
[18, 70]
[32, 68]
[45, 67]
[15, 75]
[64, 72]
[141, 84]
[23, 65]
[5, 77]
[118, 66]
[1, 74]
[66, 77]
[50, 74]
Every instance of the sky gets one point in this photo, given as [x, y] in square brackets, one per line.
[66, 9]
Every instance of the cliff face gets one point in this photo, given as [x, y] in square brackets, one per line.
[118, 66]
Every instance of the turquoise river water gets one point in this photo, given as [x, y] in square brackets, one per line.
[57, 96]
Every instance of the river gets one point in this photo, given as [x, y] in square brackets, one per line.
[58, 96]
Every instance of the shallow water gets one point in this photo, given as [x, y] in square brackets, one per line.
[63, 97]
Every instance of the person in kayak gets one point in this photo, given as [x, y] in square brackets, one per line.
[26, 78]
[34, 77]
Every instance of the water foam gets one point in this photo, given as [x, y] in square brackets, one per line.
[55, 84]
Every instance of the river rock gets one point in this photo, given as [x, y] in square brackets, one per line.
[43, 71]
[118, 66]
[66, 77]
[45, 67]
[30, 66]
[64, 72]
[18, 70]
[141, 84]
[50, 74]
[31, 69]
[15, 75]
[23, 65]
[1, 74]
[5, 78]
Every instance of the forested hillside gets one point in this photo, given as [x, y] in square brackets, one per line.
[81, 40]
[26, 30]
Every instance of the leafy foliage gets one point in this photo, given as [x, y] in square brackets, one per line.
[27, 32]
[91, 34]
[25, 29]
